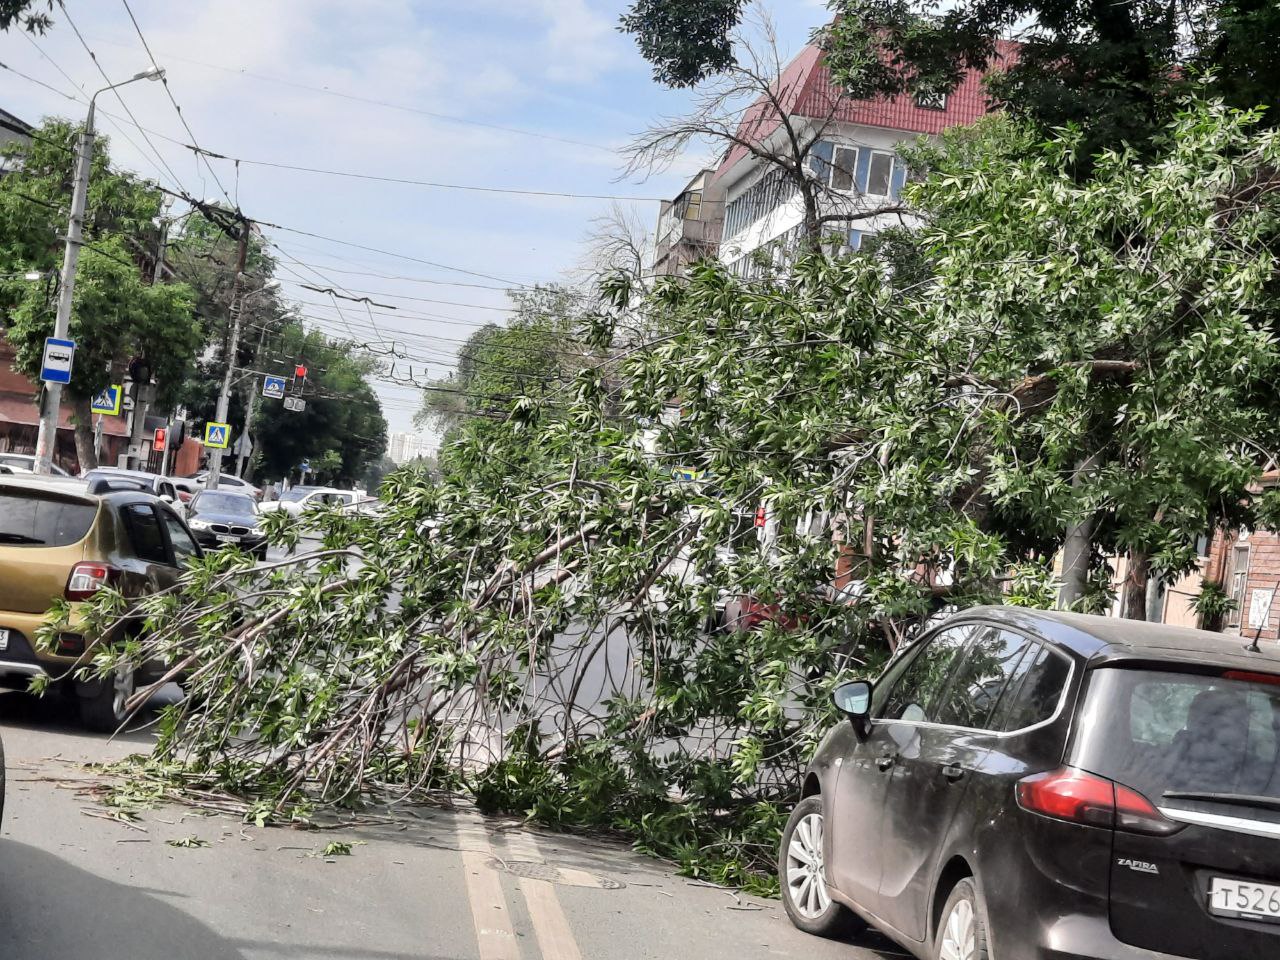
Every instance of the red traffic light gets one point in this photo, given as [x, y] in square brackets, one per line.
[300, 371]
[161, 436]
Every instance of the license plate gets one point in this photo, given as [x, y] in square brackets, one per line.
[224, 539]
[1240, 898]
[4, 639]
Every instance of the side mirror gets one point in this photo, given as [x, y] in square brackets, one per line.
[853, 699]
[166, 498]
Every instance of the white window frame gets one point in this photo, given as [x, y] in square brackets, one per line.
[893, 163]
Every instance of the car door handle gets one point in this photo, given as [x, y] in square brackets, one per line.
[885, 762]
[953, 772]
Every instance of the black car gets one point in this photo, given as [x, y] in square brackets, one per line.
[219, 518]
[1022, 784]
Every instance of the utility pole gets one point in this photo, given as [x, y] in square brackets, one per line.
[47, 438]
[250, 402]
[233, 345]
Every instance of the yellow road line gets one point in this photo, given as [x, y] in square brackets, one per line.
[550, 925]
[495, 937]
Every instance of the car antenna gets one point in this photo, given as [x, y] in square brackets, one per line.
[1252, 645]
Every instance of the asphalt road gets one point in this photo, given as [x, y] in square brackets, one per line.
[425, 885]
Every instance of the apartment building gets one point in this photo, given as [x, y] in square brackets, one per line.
[750, 212]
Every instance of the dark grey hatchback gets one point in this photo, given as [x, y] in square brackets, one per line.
[1022, 784]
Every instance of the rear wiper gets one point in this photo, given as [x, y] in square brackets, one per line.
[1234, 799]
[18, 538]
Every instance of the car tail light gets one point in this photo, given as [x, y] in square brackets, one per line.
[88, 578]
[1080, 797]
[1248, 676]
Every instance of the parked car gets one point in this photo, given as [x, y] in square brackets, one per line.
[153, 483]
[229, 481]
[298, 500]
[65, 538]
[26, 462]
[1022, 784]
[219, 518]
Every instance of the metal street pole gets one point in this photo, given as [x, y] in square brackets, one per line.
[237, 309]
[47, 438]
[233, 345]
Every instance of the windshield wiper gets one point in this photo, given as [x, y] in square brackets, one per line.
[18, 538]
[1234, 799]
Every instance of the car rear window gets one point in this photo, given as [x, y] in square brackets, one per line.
[1164, 732]
[29, 520]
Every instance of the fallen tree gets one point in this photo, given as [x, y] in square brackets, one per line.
[535, 628]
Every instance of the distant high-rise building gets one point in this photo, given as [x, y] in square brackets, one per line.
[403, 447]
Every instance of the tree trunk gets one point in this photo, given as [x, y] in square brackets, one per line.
[1134, 598]
[1078, 545]
[82, 418]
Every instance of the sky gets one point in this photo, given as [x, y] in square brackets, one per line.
[534, 95]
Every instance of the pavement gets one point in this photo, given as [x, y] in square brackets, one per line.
[424, 884]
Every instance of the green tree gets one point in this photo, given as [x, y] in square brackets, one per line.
[530, 359]
[19, 12]
[534, 630]
[343, 415]
[116, 314]
[1113, 69]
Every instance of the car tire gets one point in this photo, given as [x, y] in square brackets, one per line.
[962, 926]
[803, 876]
[103, 711]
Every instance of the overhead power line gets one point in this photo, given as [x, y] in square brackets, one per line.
[164, 80]
[119, 98]
[422, 183]
[355, 98]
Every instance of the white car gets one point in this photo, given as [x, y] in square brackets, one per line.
[26, 463]
[229, 481]
[298, 500]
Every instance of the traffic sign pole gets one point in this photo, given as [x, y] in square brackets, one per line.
[47, 438]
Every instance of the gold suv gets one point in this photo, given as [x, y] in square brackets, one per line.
[64, 538]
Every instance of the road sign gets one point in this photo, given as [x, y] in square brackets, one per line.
[294, 404]
[108, 401]
[161, 435]
[273, 387]
[217, 435]
[58, 356]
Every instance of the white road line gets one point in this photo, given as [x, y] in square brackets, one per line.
[550, 925]
[495, 937]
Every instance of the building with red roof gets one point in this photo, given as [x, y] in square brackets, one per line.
[748, 204]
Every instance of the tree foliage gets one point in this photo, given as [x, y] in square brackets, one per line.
[539, 635]
[1114, 69]
[116, 313]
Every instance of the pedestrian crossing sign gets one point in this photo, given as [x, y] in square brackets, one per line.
[217, 435]
[108, 401]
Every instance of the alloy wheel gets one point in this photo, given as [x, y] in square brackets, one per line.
[122, 687]
[959, 933]
[806, 870]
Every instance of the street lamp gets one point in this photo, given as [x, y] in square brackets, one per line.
[46, 439]
[224, 398]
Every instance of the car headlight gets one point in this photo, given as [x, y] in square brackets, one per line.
[198, 524]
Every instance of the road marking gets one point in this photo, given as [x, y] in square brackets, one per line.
[550, 925]
[495, 937]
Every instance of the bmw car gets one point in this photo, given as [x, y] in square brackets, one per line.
[1027, 785]
[220, 519]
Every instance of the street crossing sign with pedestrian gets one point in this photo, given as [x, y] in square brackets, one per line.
[58, 357]
[108, 401]
[273, 387]
[217, 435]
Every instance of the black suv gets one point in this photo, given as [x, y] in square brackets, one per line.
[1022, 784]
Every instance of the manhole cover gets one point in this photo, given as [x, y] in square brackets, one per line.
[565, 876]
